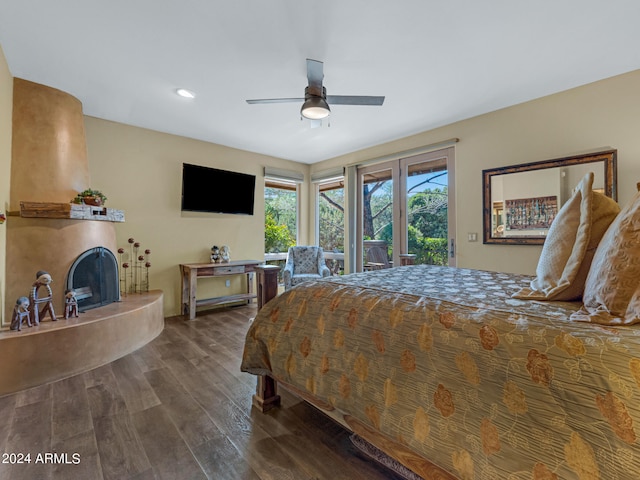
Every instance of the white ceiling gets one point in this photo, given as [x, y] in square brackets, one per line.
[436, 61]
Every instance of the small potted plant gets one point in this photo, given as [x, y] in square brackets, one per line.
[90, 197]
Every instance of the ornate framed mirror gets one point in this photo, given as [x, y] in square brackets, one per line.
[521, 201]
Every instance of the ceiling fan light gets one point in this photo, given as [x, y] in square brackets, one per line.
[315, 108]
[183, 92]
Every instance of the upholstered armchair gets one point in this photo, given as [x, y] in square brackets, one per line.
[304, 263]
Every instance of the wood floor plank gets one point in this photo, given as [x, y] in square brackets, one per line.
[218, 358]
[71, 414]
[190, 419]
[160, 340]
[99, 376]
[148, 358]
[224, 366]
[188, 349]
[33, 395]
[30, 433]
[31, 428]
[103, 393]
[223, 362]
[218, 346]
[226, 326]
[105, 401]
[240, 390]
[148, 474]
[121, 454]
[7, 410]
[134, 388]
[220, 460]
[262, 452]
[81, 457]
[165, 448]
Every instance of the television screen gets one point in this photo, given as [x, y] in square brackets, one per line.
[206, 189]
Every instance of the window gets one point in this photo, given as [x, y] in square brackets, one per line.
[281, 207]
[281, 216]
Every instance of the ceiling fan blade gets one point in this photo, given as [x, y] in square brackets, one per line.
[275, 100]
[354, 100]
[315, 92]
[314, 73]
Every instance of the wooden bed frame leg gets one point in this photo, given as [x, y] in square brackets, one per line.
[266, 396]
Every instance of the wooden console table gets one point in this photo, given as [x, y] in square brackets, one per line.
[192, 271]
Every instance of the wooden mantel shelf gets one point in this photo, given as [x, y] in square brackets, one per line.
[68, 210]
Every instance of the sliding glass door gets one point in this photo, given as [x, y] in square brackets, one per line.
[378, 215]
[406, 209]
[428, 202]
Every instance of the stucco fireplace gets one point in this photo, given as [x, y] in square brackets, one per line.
[49, 167]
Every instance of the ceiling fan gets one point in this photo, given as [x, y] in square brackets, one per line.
[316, 101]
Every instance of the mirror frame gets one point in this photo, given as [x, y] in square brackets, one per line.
[609, 157]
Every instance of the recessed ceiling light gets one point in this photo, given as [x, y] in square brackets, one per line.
[183, 92]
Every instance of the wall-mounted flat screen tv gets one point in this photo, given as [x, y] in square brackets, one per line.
[206, 189]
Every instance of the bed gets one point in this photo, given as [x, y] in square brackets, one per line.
[448, 373]
[444, 362]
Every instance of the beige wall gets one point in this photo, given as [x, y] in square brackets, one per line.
[140, 171]
[597, 115]
[6, 102]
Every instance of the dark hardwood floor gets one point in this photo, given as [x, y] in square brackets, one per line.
[178, 408]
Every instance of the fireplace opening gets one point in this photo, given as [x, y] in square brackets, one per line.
[94, 277]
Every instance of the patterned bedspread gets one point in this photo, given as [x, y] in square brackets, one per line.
[444, 361]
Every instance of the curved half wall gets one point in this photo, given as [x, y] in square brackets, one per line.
[56, 350]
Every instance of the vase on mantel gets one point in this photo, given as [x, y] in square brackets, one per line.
[94, 201]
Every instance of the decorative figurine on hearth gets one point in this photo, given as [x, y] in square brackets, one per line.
[225, 254]
[20, 312]
[43, 279]
[70, 304]
[215, 254]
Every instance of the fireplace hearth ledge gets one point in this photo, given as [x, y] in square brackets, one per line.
[56, 350]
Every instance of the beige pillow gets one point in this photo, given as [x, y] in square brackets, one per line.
[570, 245]
[612, 291]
